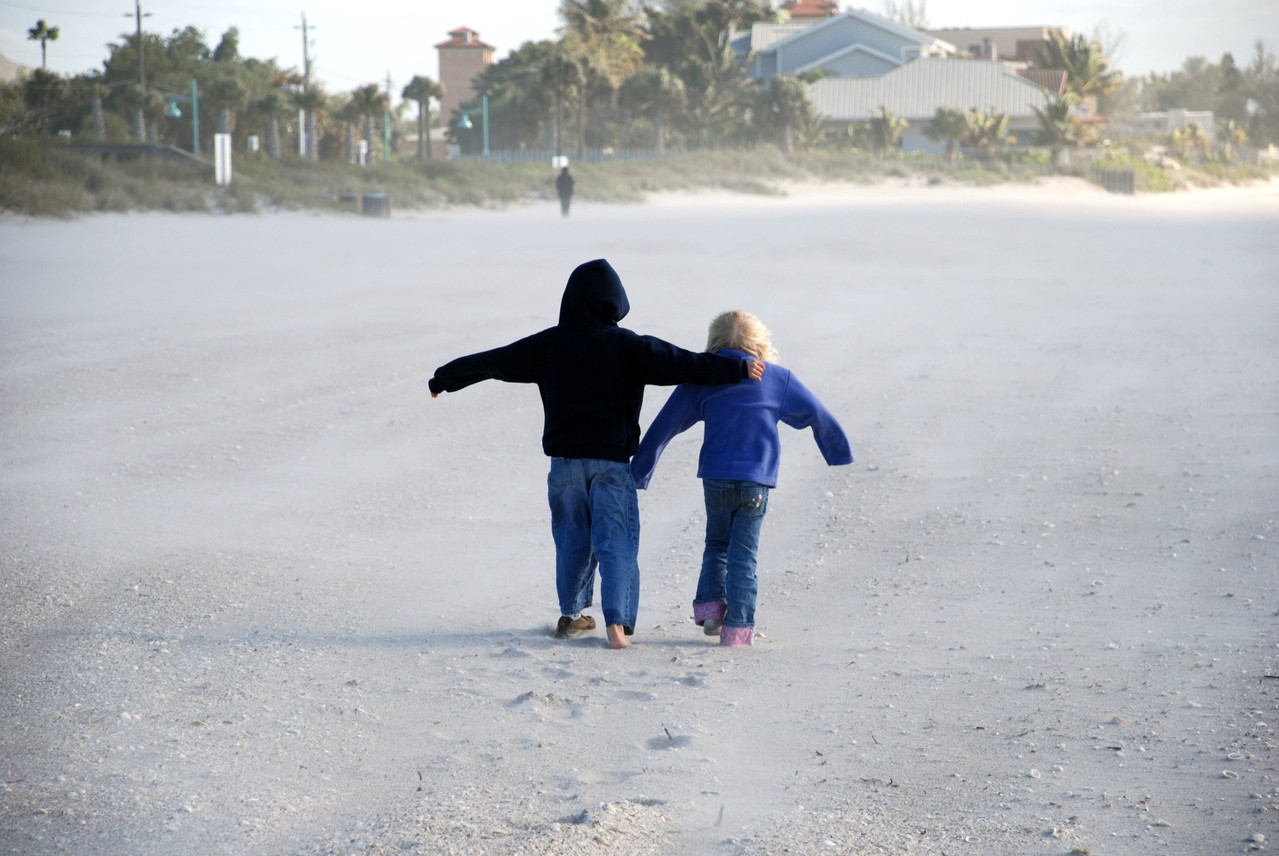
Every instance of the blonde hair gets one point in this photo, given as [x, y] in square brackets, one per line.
[741, 331]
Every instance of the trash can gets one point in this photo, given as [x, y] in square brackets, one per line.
[376, 205]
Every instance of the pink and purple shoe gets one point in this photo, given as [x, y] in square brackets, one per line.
[710, 616]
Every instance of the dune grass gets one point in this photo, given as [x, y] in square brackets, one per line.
[50, 181]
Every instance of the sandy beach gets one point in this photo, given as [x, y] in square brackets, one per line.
[260, 594]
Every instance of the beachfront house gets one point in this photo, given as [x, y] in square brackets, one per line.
[917, 89]
[868, 62]
[1166, 122]
[1011, 44]
[850, 44]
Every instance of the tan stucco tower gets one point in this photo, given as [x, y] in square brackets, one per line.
[462, 58]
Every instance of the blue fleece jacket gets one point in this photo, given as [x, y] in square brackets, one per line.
[740, 441]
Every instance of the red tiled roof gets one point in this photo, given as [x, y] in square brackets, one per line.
[1052, 79]
[464, 37]
[811, 8]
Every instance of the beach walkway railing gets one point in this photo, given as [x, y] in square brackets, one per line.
[509, 156]
[1116, 179]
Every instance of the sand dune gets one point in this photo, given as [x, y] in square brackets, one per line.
[260, 594]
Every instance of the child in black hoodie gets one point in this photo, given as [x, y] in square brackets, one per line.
[591, 374]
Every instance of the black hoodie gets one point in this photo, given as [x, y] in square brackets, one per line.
[589, 371]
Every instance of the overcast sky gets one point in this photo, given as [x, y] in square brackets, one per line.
[354, 42]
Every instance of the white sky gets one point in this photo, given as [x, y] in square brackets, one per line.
[355, 42]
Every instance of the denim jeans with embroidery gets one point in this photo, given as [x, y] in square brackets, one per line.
[734, 514]
[595, 519]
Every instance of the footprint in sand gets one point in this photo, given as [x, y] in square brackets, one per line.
[548, 705]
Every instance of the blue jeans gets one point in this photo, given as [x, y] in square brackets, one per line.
[595, 519]
[734, 514]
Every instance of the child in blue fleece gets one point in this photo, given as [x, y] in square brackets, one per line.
[738, 465]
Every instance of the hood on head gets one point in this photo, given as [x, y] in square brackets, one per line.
[593, 296]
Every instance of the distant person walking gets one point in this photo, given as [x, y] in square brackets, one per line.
[591, 374]
[564, 187]
[740, 457]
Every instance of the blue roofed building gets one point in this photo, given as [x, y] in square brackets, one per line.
[849, 44]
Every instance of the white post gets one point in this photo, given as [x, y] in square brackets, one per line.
[222, 158]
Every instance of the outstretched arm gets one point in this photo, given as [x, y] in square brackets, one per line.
[515, 363]
[802, 409]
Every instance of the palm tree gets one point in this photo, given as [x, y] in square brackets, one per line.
[95, 110]
[718, 86]
[226, 95]
[986, 132]
[43, 34]
[580, 68]
[658, 91]
[561, 74]
[948, 124]
[783, 107]
[1058, 126]
[134, 100]
[607, 33]
[1087, 68]
[692, 40]
[887, 130]
[735, 13]
[1231, 135]
[1192, 139]
[422, 90]
[349, 115]
[603, 38]
[147, 106]
[368, 102]
[269, 107]
[313, 102]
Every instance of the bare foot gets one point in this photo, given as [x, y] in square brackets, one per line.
[617, 636]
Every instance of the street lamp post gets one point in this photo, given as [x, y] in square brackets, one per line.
[466, 124]
[175, 112]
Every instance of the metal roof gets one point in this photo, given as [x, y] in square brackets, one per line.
[867, 19]
[765, 34]
[918, 88]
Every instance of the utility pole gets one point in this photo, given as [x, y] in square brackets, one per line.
[386, 122]
[306, 51]
[305, 142]
[142, 72]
